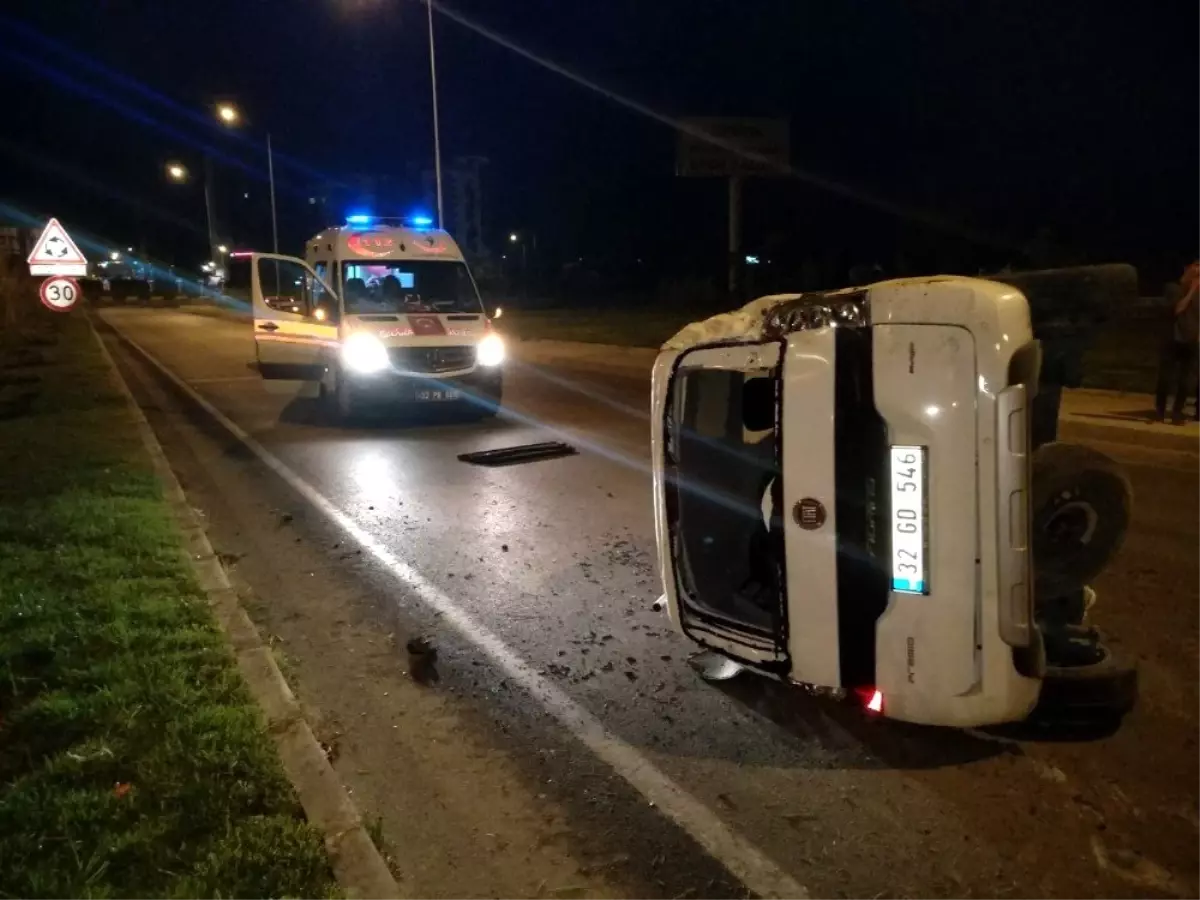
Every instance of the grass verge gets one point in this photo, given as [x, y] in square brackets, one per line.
[133, 761]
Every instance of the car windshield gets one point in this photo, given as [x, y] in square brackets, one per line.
[400, 286]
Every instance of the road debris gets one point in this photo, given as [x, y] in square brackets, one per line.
[422, 660]
[522, 453]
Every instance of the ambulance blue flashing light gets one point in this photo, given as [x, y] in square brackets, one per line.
[422, 221]
[358, 219]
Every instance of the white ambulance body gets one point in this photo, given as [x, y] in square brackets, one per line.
[376, 312]
[870, 448]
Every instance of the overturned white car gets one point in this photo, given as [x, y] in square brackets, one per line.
[843, 496]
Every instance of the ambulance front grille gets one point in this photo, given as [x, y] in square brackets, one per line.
[431, 360]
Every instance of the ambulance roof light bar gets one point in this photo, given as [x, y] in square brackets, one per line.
[366, 220]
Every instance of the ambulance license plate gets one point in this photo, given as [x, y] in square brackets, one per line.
[435, 396]
[908, 520]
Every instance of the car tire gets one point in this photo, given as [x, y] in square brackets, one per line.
[338, 399]
[495, 397]
[1085, 681]
[1082, 503]
[486, 402]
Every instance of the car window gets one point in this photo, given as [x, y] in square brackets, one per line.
[286, 285]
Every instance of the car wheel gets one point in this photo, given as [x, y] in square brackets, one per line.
[484, 402]
[339, 398]
[494, 398]
[1084, 680]
[1082, 503]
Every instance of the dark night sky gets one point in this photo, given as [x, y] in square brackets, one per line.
[1003, 116]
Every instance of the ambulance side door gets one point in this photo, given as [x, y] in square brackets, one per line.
[295, 337]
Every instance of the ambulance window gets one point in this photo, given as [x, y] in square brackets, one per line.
[319, 295]
[399, 286]
[286, 285]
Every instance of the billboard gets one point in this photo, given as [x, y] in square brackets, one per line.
[733, 147]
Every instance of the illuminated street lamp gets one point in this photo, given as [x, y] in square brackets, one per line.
[114, 255]
[513, 237]
[222, 249]
[232, 117]
[177, 171]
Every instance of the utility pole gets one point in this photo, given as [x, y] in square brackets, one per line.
[437, 140]
[208, 207]
[735, 234]
[271, 177]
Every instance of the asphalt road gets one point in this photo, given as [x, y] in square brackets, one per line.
[524, 770]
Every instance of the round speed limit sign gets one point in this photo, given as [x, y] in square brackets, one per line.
[59, 293]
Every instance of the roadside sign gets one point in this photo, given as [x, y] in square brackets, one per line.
[735, 147]
[59, 293]
[55, 253]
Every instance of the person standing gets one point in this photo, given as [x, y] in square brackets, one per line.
[1178, 356]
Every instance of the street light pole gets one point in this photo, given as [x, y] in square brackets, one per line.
[208, 207]
[230, 116]
[271, 178]
[437, 141]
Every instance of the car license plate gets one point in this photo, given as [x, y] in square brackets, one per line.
[908, 520]
[437, 395]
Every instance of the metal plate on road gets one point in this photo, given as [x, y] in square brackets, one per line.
[59, 293]
[522, 453]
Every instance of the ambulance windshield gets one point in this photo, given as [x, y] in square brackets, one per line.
[403, 286]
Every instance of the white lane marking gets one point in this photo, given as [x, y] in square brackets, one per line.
[743, 860]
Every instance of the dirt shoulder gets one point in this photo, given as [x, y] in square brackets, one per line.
[134, 762]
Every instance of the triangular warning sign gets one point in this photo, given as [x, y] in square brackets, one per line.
[56, 254]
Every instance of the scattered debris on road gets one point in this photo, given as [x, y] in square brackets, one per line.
[422, 660]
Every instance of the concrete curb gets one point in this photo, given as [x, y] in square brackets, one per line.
[357, 862]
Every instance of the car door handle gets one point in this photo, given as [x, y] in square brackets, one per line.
[268, 326]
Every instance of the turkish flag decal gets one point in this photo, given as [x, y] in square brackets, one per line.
[424, 326]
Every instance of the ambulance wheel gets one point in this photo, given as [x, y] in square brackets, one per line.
[486, 402]
[495, 399]
[339, 399]
[1082, 503]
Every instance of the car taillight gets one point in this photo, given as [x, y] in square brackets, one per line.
[871, 699]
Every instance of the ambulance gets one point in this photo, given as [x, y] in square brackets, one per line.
[844, 498]
[379, 312]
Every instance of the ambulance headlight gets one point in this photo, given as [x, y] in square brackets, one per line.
[490, 351]
[364, 354]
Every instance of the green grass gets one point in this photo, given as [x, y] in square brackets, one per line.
[133, 761]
